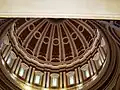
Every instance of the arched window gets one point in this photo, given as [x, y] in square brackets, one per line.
[11, 59]
[97, 60]
[5, 40]
[85, 71]
[38, 77]
[71, 78]
[103, 49]
[23, 70]
[102, 42]
[54, 79]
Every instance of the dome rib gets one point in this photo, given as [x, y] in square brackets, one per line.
[24, 25]
[32, 32]
[86, 25]
[61, 44]
[39, 42]
[27, 39]
[74, 49]
[49, 52]
[81, 37]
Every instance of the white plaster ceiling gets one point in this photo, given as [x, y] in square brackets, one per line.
[61, 8]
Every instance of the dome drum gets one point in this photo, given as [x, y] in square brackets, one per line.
[55, 55]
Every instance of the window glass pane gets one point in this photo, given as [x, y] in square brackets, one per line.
[71, 79]
[100, 63]
[9, 60]
[37, 79]
[21, 73]
[54, 81]
[87, 73]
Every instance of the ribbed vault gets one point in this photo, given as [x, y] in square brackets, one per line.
[47, 53]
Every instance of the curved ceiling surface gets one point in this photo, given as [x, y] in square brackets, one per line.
[45, 51]
[55, 42]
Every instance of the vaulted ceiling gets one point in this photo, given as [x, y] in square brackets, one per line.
[59, 53]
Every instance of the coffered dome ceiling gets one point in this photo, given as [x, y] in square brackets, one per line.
[56, 53]
[55, 43]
